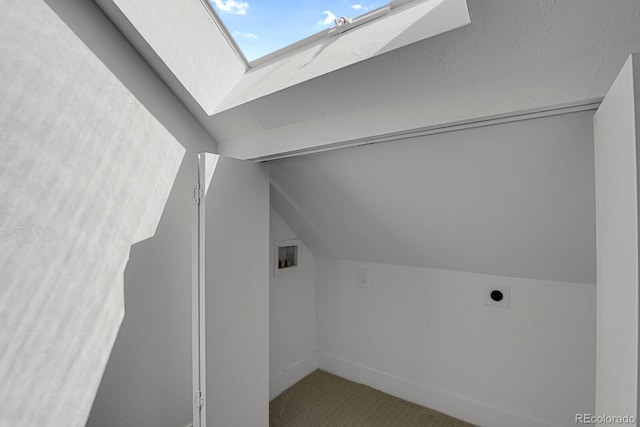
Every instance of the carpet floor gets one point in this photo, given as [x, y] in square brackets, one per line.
[323, 399]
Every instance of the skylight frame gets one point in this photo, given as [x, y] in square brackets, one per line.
[227, 35]
[334, 31]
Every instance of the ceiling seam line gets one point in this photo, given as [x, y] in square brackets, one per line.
[557, 110]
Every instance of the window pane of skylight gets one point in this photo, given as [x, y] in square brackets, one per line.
[260, 27]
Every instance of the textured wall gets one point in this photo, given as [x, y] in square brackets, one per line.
[189, 42]
[86, 171]
[152, 350]
[147, 380]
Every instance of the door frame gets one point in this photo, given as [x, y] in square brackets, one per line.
[198, 333]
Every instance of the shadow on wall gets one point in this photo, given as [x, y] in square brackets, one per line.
[147, 381]
[73, 141]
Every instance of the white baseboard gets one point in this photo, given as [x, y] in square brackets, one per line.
[472, 411]
[292, 374]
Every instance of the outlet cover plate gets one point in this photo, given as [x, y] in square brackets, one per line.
[362, 274]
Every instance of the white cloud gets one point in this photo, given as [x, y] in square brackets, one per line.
[329, 18]
[245, 35]
[361, 7]
[232, 6]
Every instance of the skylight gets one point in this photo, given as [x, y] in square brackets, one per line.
[261, 27]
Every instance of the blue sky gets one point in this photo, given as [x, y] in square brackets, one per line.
[263, 26]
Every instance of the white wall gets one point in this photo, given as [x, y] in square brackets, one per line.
[86, 171]
[617, 132]
[514, 199]
[97, 33]
[293, 341]
[237, 295]
[152, 350]
[435, 219]
[425, 335]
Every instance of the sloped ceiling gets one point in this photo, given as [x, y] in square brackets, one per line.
[420, 20]
[514, 199]
[188, 43]
[515, 55]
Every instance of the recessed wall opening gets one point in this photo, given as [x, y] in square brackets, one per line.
[286, 256]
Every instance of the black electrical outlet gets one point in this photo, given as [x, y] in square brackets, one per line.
[496, 295]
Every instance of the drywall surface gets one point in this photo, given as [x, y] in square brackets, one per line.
[152, 351]
[515, 55]
[100, 35]
[425, 335]
[514, 199]
[237, 295]
[617, 126]
[86, 172]
[293, 341]
[147, 381]
[190, 43]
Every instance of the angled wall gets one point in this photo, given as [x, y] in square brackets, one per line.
[515, 199]
[86, 171]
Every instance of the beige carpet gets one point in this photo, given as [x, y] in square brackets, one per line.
[323, 399]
